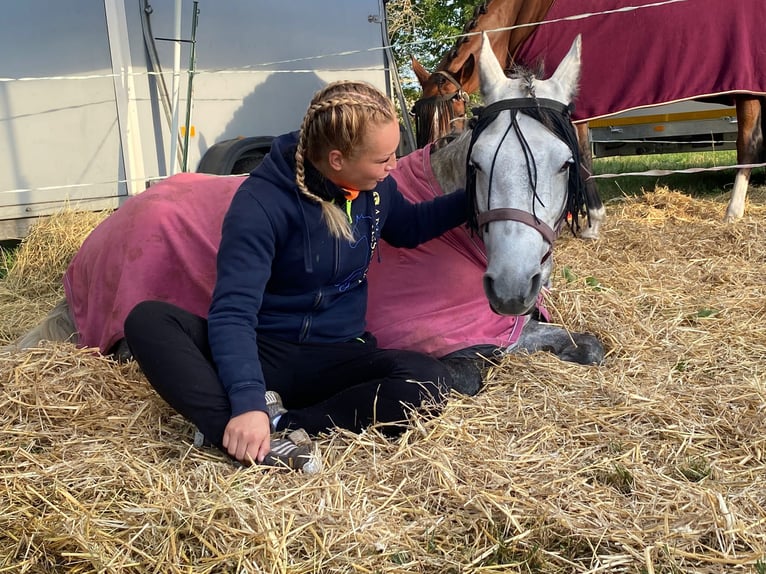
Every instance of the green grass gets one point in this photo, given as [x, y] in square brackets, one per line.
[698, 184]
[7, 256]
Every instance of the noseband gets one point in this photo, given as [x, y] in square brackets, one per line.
[556, 117]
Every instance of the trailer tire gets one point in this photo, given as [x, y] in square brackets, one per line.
[235, 156]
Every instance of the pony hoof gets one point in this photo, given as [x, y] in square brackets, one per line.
[466, 375]
[587, 350]
[589, 233]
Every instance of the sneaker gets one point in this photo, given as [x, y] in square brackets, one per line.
[296, 451]
[200, 440]
[274, 407]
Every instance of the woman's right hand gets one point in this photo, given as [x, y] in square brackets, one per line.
[247, 437]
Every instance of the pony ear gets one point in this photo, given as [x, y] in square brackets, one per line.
[420, 72]
[567, 75]
[490, 72]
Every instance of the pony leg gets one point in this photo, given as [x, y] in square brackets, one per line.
[57, 326]
[596, 211]
[749, 150]
[582, 348]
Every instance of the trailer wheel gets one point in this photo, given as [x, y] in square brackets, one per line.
[235, 156]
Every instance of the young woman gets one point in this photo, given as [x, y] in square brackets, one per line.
[284, 346]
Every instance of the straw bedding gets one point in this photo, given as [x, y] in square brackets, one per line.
[653, 462]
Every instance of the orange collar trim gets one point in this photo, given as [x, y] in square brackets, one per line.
[350, 194]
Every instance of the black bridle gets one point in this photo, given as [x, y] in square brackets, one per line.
[556, 117]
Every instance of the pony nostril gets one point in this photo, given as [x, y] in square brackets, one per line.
[535, 284]
[504, 302]
[489, 284]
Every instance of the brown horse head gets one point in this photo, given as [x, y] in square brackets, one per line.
[440, 111]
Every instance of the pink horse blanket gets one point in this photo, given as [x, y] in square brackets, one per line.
[162, 245]
[654, 54]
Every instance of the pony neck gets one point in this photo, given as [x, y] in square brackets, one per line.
[448, 163]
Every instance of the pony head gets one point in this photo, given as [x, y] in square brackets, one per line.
[523, 175]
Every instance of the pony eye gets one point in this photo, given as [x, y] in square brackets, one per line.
[475, 165]
[567, 164]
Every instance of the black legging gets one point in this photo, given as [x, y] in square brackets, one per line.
[349, 385]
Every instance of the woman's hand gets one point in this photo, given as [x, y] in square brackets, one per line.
[247, 437]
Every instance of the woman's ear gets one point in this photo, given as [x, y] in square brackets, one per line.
[335, 160]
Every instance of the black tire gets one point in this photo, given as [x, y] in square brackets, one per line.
[235, 156]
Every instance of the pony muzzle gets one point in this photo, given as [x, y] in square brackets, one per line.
[511, 304]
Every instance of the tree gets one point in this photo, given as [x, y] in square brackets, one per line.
[425, 29]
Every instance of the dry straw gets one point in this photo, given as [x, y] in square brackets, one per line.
[653, 462]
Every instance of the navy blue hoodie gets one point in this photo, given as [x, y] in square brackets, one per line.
[283, 275]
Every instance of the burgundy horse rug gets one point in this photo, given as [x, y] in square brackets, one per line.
[639, 52]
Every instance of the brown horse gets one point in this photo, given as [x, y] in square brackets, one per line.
[516, 39]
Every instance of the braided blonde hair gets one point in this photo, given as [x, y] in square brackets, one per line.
[338, 118]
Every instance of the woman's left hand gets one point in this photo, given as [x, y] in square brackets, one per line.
[247, 437]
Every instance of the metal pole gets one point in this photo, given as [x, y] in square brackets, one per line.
[409, 133]
[192, 61]
[172, 163]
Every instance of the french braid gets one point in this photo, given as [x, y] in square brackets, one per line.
[338, 117]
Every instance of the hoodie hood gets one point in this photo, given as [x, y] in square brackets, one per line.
[279, 167]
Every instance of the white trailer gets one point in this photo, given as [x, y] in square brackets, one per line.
[96, 101]
[669, 128]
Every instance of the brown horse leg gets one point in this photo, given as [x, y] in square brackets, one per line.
[596, 211]
[749, 150]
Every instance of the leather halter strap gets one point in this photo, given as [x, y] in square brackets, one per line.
[511, 214]
[458, 94]
[449, 77]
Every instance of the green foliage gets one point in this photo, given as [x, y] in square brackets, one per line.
[681, 366]
[618, 477]
[425, 29]
[703, 313]
[400, 558]
[594, 283]
[694, 184]
[7, 257]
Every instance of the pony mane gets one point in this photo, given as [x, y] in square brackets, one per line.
[526, 74]
[438, 108]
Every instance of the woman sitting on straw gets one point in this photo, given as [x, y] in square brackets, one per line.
[284, 347]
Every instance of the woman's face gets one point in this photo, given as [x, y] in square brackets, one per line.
[369, 165]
